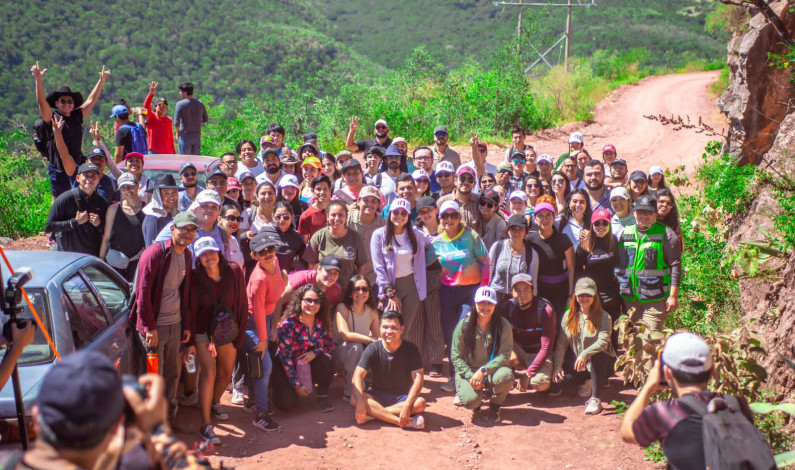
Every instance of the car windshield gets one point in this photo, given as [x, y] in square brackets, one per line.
[39, 352]
[175, 173]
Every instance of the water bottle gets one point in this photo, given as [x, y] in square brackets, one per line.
[152, 362]
[304, 371]
[190, 363]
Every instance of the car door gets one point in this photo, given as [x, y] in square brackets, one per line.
[89, 321]
[115, 295]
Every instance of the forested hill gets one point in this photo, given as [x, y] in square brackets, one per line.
[228, 48]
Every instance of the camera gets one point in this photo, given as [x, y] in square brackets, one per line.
[13, 299]
[131, 381]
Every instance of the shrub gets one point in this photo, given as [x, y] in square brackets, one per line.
[24, 193]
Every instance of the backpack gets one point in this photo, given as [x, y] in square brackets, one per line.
[138, 138]
[42, 135]
[730, 440]
[528, 256]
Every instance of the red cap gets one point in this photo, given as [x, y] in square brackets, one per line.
[233, 183]
[601, 214]
[134, 154]
[609, 148]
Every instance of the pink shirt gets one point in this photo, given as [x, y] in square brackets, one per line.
[263, 291]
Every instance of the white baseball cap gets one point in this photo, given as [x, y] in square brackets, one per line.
[575, 137]
[381, 121]
[450, 205]
[208, 196]
[288, 180]
[656, 170]
[445, 166]
[518, 194]
[398, 140]
[420, 173]
[619, 191]
[400, 203]
[544, 157]
[203, 245]
[486, 294]
[687, 352]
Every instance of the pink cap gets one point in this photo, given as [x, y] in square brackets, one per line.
[609, 148]
[543, 206]
[233, 183]
[601, 214]
[466, 169]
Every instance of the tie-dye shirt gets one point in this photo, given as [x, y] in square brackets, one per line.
[464, 259]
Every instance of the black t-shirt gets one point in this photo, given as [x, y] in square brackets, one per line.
[391, 373]
[72, 136]
[290, 249]
[551, 252]
[598, 265]
[365, 145]
[124, 139]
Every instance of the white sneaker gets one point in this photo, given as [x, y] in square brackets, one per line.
[593, 406]
[237, 397]
[416, 422]
[457, 400]
[585, 389]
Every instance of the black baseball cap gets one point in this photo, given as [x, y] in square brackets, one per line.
[96, 152]
[185, 166]
[440, 129]
[619, 161]
[217, 172]
[492, 195]
[80, 400]
[310, 137]
[638, 175]
[424, 202]
[262, 240]
[645, 202]
[331, 262]
[352, 163]
[517, 220]
[86, 167]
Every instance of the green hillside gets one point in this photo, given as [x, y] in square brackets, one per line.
[229, 49]
[451, 30]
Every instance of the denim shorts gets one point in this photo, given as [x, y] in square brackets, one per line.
[387, 399]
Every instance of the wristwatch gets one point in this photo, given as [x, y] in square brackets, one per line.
[483, 370]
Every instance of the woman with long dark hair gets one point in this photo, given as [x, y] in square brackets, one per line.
[510, 257]
[596, 257]
[291, 244]
[491, 225]
[532, 188]
[586, 333]
[220, 306]
[637, 185]
[123, 234]
[656, 180]
[481, 349]
[398, 254]
[229, 220]
[356, 326]
[305, 346]
[431, 342]
[555, 258]
[560, 189]
[668, 213]
[576, 216]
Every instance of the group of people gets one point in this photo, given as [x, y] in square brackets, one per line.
[293, 266]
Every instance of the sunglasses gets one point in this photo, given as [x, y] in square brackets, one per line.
[380, 127]
[423, 181]
[282, 217]
[451, 215]
[519, 160]
[505, 171]
[558, 181]
[486, 203]
[311, 301]
[569, 165]
[443, 174]
[601, 223]
[400, 213]
[162, 106]
[422, 159]
[62, 101]
[188, 230]
[189, 175]
[362, 290]
[232, 218]
[466, 179]
[483, 150]
[532, 185]
[267, 250]
[441, 134]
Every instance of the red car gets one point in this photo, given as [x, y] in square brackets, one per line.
[162, 163]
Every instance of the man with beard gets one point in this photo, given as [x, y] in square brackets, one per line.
[389, 177]
[422, 158]
[533, 323]
[441, 151]
[381, 136]
[467, 202]
[189, 183]
[218, 182]
[273, 167]
[618, 173]
[229, 164]
[77, 217]
[594, 176]
[445, 178]
[403, 148]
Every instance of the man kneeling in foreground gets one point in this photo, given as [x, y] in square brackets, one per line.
[396, 365]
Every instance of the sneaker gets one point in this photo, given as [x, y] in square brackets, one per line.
[250, 406]
[208, 434]
[593, 406]
[263, 422]
[191, 399]
[436, 370]
[457, 400]
[416, 422]
[237, 397]
[324, 404]
[585, 389]
[492, 414]
[449, 386]
[555, 391]
[217, 411]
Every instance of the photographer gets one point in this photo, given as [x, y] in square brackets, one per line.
[20, 339]
[86, 418]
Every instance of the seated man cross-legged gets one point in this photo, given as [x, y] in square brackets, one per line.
[397, 374]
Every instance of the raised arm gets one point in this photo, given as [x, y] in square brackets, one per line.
[41, 99]
[88, 105]
[349, 142]
[477, 158]
[68, 161]
[111, 163]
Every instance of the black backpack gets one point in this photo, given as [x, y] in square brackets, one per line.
[731, 441]
[42, 134]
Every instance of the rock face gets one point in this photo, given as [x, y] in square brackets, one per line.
[769, 300]
[759, 96]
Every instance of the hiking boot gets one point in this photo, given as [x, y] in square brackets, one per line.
[190, 399]
[208, 434]
[416, 422]
[324, 405]
[492, 414]
[585, 389]
[436, 370]
[237, 397]
[593, 406]
[218, 412]
[449, 386]
[265, 423]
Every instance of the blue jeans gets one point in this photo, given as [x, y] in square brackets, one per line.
[455, 303]
[190, 143]
[260, 385]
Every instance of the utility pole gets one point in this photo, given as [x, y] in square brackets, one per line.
[519, 27]
[568, 39]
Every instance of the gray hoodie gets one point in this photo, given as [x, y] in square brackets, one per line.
[156, 217]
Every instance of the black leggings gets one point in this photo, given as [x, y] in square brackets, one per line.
[614, 306]
[284, 395]
[601, 364]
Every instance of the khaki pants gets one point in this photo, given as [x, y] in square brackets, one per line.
[500, 381]
[652, 313]
[543, 377]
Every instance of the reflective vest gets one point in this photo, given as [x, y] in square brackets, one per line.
[642, 273]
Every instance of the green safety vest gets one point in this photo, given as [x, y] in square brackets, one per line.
[642, 273]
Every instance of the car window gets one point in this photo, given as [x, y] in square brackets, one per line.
[115, 294]
[39, 352]
[86, 316]
[152, 173]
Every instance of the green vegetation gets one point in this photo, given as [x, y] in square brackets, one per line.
[24, 191]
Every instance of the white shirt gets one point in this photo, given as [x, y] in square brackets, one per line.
[402, 246]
